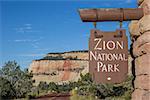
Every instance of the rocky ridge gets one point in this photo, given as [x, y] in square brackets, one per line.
[62, 67]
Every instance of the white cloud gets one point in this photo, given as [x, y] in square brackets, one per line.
[28, 24]
[33, 42]
[43, 49]
[35, 45]
[26, 28]
[22, 40]
[28, 40]
[25, 40]
[20, 30]
[32, 55]
[128, 1]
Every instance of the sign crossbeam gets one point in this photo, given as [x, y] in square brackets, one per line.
[113, 14]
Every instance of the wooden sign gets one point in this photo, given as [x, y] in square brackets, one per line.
[108, 56]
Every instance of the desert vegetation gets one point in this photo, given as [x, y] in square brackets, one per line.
[15, 83]
[59, 58]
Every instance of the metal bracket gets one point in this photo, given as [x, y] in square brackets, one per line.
[121, 24]
[95, 24]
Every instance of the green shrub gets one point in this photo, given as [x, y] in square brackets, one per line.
[105, 91]
[6, 90]
[16, 80]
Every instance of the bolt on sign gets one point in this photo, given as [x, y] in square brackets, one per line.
[108, 56]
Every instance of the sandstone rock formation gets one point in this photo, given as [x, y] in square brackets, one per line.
[73, 54]
[141, 45]
[63, 67]
[142, 64]
[60, 67]
[140, 34]
[134, 29]
[140, 94]
[145, 4]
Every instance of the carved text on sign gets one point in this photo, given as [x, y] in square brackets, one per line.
[108, 56]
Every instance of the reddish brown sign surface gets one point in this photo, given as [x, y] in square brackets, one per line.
[108, 56]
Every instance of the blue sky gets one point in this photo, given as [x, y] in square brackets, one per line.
[31, 29]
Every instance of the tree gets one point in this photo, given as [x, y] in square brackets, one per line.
[6, 89]
[43, 86]
[11, 71]
[20, 81]
[86, 78]
[52, 86]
